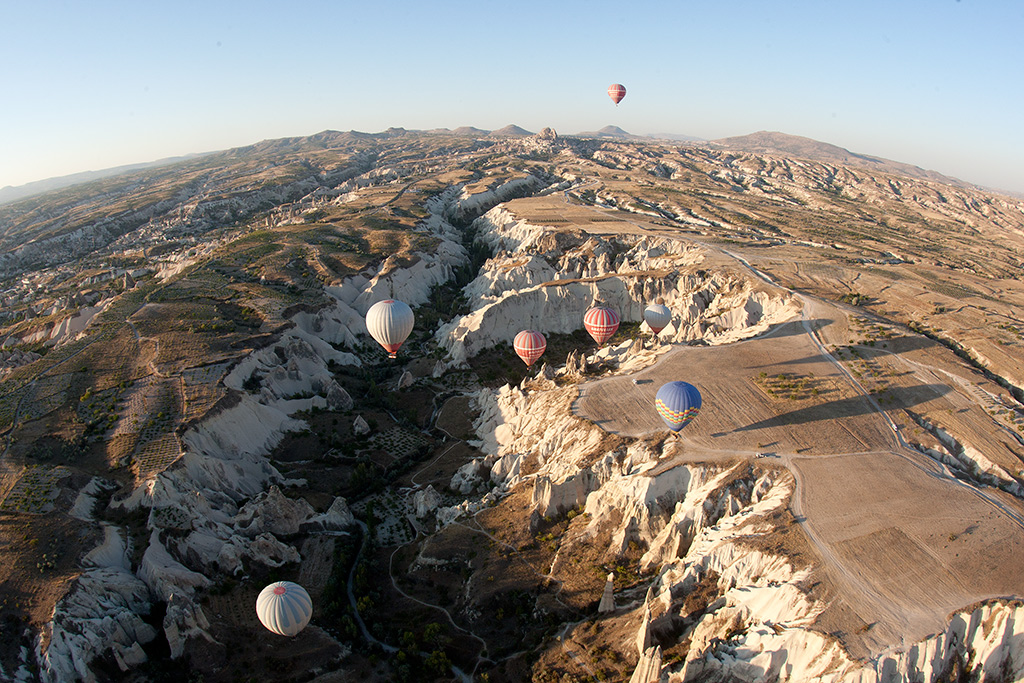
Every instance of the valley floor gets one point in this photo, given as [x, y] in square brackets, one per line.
[901, 541]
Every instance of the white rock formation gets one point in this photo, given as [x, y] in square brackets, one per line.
[212, 510]
[607, 603]
[643, 634]
[425, 501]
[544, 279]
[337, 518]
[360, 426]
[648, 669]
[272, 512]
[103, 610]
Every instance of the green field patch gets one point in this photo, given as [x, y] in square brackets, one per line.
[36, 490]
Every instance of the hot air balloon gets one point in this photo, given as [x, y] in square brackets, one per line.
[677, 403]
[616, 92]
[601, 322]
[529, 345]
[657, 316]
[390, 322]
[284, 608]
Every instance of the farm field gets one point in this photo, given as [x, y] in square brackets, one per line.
[895, 532]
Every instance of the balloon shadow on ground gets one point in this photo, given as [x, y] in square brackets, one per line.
[792, 328]
[901, 397]
[894, 347]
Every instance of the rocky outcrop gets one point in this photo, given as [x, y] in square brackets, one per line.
[102, 612]
[337, 518]
[220, 504]
[545, 279]
[473, 203]
[425, 501]
[272, 512]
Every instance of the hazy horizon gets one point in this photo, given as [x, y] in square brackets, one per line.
[923, 83]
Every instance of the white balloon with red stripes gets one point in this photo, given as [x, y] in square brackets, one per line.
[529, 345]
[390, 322]
[284, 607]
[657, 316]
[601, 322]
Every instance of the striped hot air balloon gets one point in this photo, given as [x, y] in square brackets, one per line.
[616, 92]
[677, 403]
[601, 322]
[657, 317]
[390, 322]
[529, 345]
[284, 608]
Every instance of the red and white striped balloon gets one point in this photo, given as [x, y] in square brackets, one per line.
[601, 322]
[616, 91]
[529, 345]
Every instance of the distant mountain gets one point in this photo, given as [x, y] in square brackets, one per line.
[12, 193]
[469, 130]
[511, 131]
[769, 142]
[609, 132]
[676, 137]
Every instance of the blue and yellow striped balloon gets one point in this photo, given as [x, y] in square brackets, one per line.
[677, 403]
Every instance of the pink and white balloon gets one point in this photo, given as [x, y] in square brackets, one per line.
[529, 345]
[601, 322]
[657, 317]
[284, 608]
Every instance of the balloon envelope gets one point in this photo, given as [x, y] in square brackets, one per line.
[616, 92]
[284, 608]
[390, 322]
[601, 322]
[677, 403]
[529, 345]
[658, 317]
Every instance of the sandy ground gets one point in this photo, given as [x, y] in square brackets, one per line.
[902, 543]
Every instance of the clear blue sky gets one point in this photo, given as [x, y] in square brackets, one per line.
[90, 85]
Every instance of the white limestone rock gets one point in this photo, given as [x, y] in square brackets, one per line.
[648, 669]
[425, 501]
[272, 512]
[102, 609]
[469, 477]
[184, 619]
[164, 575]
[128, 658]
[337, 518]
[112, 552]
[522, 287]
[607, 603]
[360, 426]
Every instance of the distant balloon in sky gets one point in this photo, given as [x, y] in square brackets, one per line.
[616, 92]
[601, 322]
[284, 608]
[529, 345]
[657, 317]
[390, 322]
[677, 403]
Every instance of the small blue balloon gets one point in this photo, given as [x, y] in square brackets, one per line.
[677, 403]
